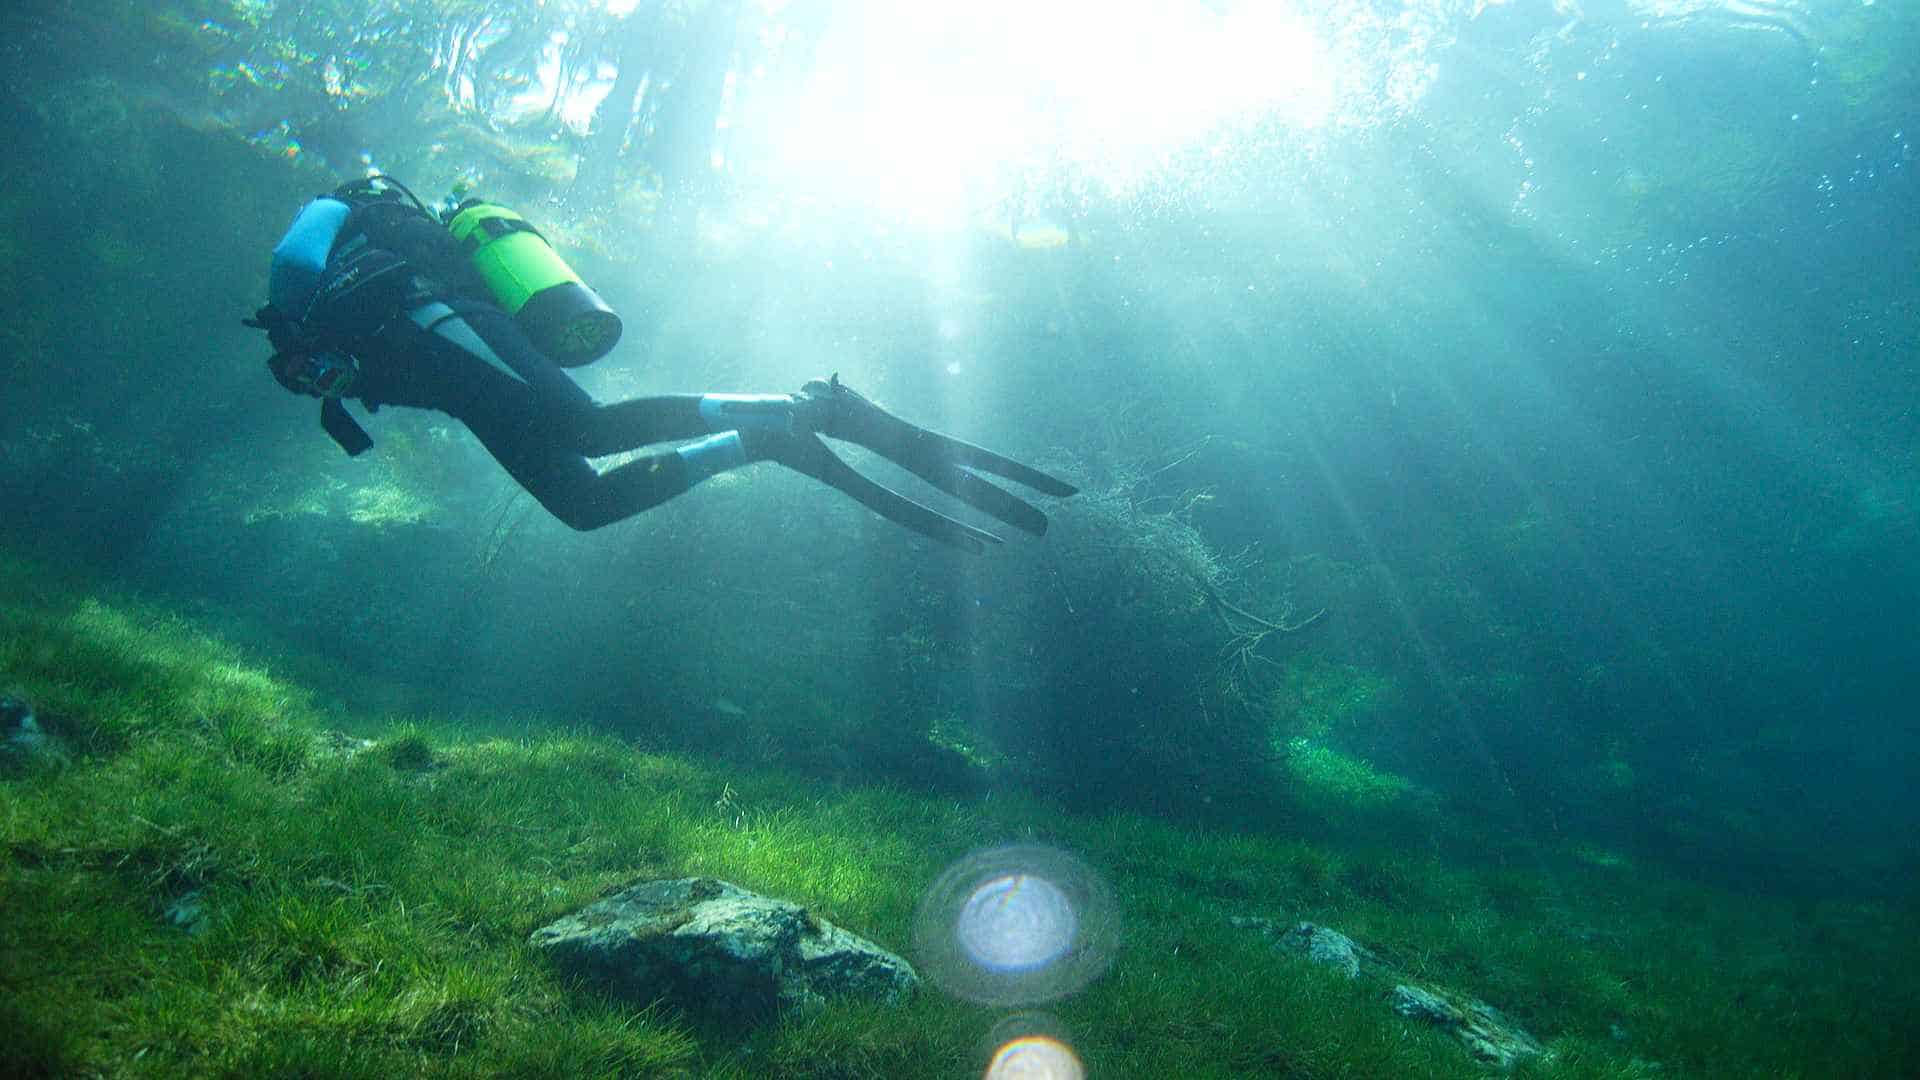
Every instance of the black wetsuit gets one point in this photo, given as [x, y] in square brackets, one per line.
[372, 298]
[414, 312]
[542, 427]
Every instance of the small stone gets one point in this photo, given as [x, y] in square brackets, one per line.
[1326, 946]
[188, 912]
[340, 744]
[21, 738]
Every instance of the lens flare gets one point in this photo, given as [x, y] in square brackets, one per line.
[1035, 1057]
[1030, 1046]
[1016, 922]
[1016, 925]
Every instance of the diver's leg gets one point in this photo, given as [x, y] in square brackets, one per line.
[539, 424]
[584, 499]
[526, 414]
[535, 447]
[624, 425]
[636, 422]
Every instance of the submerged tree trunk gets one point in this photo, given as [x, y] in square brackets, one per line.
[607, 136]
[682, 144]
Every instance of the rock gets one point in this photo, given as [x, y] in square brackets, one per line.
[1321, 944]
[21, 740]
[1487, 1034]
[332, 743]
[1269, 927]
[712, 947]
[188, 912]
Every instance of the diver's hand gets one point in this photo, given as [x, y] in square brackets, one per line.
[283, 331]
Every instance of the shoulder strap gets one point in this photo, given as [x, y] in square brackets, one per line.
[416, 236]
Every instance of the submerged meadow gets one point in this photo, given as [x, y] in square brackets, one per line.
[217, 877]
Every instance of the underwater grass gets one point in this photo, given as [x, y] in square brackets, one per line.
[211, 886]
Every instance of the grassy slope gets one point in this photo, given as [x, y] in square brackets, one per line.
[366, 914]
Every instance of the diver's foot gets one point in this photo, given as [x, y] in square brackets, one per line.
[833, 408]
[798, 451]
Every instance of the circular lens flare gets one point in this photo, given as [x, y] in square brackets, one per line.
[1035, 1057]
[1016, 922]
[1016, 925]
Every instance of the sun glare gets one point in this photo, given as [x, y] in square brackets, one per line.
[912, 106]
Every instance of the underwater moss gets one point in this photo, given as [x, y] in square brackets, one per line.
[1317, 697]
[387, 504]
[1325, 774]
[381, 504]
[360, 917]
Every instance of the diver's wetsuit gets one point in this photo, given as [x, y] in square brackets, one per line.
[536, 421]
[371, 298]
[385, 290]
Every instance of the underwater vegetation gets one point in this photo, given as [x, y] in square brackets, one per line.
[1491, 592]
[219, 876]
[1118, 625]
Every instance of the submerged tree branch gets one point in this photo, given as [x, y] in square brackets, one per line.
[1225, 607]
[1241, 657]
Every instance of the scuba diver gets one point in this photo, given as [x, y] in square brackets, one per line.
[374, 296]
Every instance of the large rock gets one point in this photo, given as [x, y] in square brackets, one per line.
[1486, 1032]
[713, 947]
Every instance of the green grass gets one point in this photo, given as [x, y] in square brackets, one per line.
[366, 913]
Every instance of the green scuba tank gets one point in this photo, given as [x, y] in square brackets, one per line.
[568, 321]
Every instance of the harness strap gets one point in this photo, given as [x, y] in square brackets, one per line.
[497, 227]
[442, 321]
